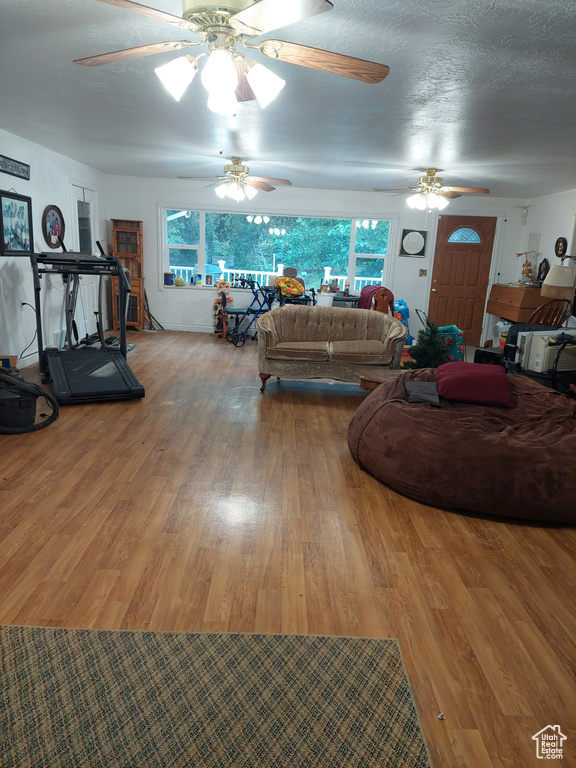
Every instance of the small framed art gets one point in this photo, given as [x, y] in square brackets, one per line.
[14, 167]
[413, 242]
[15, 224]
[52, 225]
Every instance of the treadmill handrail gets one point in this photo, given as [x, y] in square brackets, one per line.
[72, 263]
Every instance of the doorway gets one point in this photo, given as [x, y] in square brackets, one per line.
[83, 210]
[461, 273]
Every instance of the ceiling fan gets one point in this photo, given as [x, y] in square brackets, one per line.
[238, 184]
[430, 191]
[224, 26]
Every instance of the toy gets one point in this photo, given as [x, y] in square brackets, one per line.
[220, 304]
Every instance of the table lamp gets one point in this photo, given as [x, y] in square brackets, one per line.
[559, 282]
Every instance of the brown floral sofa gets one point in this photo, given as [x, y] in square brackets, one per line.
[310, 342]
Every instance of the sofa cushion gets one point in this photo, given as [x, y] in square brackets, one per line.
[299, 350]
[362, 352]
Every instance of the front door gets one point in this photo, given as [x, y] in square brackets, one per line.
[461, 272]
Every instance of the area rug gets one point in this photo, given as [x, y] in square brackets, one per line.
[73, 698]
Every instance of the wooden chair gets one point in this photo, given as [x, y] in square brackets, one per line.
[554, 313]
[383, 301]
[376, 297]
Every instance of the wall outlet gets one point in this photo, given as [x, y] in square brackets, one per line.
[22, 305]
[422, 273]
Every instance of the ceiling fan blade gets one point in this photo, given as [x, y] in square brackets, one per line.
[477, 190]
[152, 13]
[315, 58]
[260, 185]
[270, 180]
[266, 15]
[449, 193]
[133, 53]
[243, 92]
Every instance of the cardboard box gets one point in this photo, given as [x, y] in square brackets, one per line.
[8, 361]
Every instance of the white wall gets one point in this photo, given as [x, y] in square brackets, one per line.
[190, 308]
[552, 217]
[50, 181]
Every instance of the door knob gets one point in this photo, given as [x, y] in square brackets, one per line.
[434, 290]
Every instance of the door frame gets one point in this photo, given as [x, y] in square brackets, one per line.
[85, 187]
[495, 261]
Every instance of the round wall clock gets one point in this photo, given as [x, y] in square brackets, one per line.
[560, 247]
[413, 242]
[52, 225]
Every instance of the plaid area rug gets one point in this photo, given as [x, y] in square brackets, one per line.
[72, 698]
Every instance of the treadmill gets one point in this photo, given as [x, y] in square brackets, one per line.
[84, 374]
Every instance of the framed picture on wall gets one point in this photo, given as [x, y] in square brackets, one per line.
[16, 236]
[52, 225]
[413, 242]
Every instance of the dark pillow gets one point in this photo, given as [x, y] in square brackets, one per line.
[422, 392]
[474, 383]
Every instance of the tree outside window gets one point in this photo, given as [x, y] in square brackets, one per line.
[258, 244]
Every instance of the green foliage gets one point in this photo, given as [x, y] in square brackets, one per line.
[183, 227]
[430, 349]
[309, 244]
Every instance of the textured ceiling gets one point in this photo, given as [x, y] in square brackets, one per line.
[484, 89]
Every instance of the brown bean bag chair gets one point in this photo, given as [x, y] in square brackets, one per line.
[513, 462]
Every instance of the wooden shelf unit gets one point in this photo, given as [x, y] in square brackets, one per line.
[127, 246]
[513, 303]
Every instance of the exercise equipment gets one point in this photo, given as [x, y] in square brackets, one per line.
[261, 302]
[81, 372]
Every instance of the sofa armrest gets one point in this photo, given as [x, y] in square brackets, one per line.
[393, 334]
[397, 347]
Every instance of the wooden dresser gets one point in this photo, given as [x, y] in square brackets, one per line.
[513, 303]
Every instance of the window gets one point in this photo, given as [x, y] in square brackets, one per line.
[259, 246]
[183, 241]
[464, 235]
[370, 247]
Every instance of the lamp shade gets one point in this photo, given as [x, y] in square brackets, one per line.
[219, 73]
[223, 103]
[559, 283]
[265, 84]
[177, 75]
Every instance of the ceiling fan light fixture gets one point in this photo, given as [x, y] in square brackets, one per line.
[436, 201]
[219, 73]
[236, 190]
[177, 75]
[427, 200]
[265, 84]
[223, 103]
[417, 201]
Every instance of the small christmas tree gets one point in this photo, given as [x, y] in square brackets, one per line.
[430, 349]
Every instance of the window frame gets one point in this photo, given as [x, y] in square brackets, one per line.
[164, 246]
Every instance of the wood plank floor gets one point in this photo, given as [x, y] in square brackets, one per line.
[208, 506]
